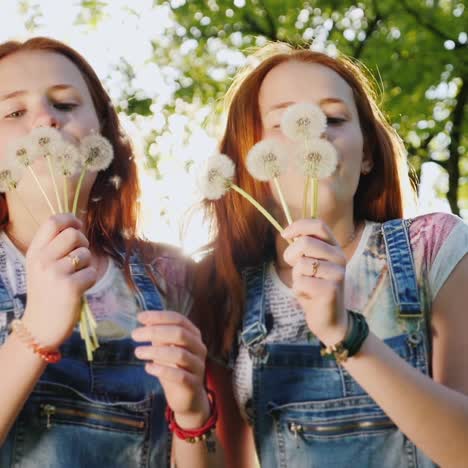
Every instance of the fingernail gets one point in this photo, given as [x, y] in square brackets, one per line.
[136, 334]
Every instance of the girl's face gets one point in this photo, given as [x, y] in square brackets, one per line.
[43, 89]
[294, 82]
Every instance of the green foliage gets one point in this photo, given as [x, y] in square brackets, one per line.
[417, 50]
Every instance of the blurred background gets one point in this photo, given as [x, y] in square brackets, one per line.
[167, 65]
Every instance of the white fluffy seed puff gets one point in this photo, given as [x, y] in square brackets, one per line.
[216, 176]
[66, 159]
[21, 152]
[267, 159]
[9, 178]
[96, 152]
[45, 141]
[303, 121]
[318, 159]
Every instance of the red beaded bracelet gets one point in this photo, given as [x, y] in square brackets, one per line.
[20, 330]
[195, 435]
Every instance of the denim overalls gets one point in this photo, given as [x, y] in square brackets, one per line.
[103, 414]
[307, 410]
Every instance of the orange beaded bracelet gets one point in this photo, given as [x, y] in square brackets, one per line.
[20, 330]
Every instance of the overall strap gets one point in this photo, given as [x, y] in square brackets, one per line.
[401, 267]
[147, 293]
[253, 327]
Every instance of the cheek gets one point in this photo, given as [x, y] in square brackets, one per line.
[8, 134]
[83, 123]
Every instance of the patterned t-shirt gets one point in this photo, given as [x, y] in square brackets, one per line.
[439, 241]
[111, 300]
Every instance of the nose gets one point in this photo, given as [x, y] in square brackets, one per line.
[46, 117]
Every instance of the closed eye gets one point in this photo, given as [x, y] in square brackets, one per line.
[335, 120]
[65, 106]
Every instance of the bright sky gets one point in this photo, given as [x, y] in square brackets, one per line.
[104, 47]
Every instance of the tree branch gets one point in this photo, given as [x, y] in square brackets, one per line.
[428, 25]
[453, 163]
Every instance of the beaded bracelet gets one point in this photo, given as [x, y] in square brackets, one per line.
[20, 330]
[353, 341]
[195, 435]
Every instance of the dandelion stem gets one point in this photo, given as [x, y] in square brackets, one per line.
[41, 188]
[314, 197]
[282, 200]
[85, 334]
[26, 207]
[65, 194]
[54, 182]
[305, 197]
[77, 191]
[259, 207]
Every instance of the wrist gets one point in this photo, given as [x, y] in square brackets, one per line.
[339, 332]
[196, 417]
[202, 432]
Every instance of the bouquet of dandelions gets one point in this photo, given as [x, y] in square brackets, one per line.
[316, 157]
[267, 160]
[65, 160]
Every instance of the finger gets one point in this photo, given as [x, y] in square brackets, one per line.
[53, 226]
[310, 227]
[162, 335]
[172, 356]
[313, 267]
[83, 279]
[171, 374]
[311, 247]
[167, 317]
[76, 260]
[311, 288]
[64, 242]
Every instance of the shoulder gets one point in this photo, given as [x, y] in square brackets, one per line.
[434, 232]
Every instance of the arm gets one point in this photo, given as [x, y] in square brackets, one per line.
[50, 318]
[177, 358]
[432, 413]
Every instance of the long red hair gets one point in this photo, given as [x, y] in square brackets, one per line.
[112, 217]
[242, 237]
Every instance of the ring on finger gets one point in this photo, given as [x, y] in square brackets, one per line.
[75, 260]
[315, 266]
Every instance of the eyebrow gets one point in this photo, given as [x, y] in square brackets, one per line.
[328, 100]
[59, 87]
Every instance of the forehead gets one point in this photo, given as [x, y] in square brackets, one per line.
[298, 81]
[31, 70]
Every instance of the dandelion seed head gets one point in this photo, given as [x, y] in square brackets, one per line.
[96, 152]
[20, 152]
[318, 159]
[303, 121]
[216, 176]
[66, 159]
[267, 160]
[9, 179]
[45, 140]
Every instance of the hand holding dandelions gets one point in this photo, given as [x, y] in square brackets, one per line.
[318, 273]
[55, 286]
[64, 161]
[176, 356]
